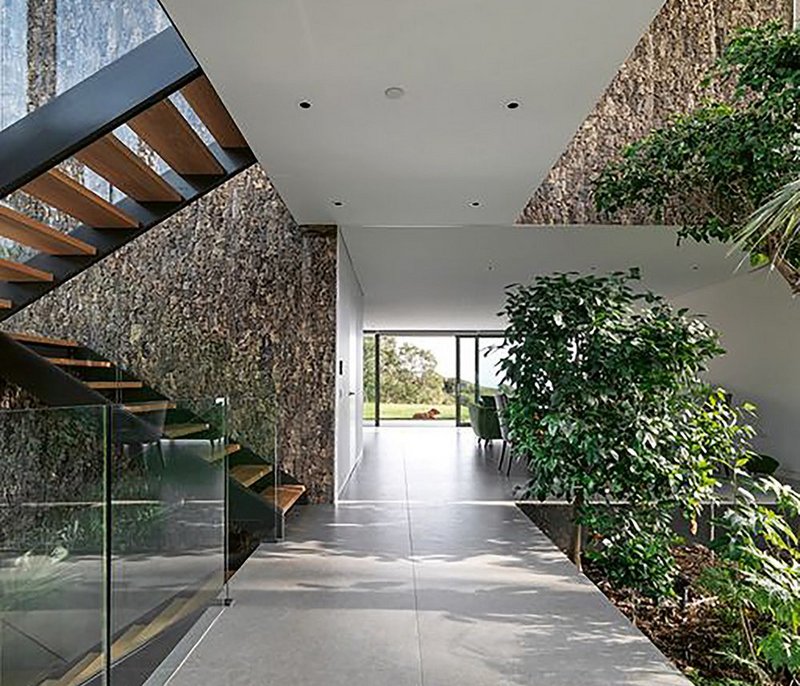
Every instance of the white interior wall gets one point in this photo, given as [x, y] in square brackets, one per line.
[349, 372]
[759, 324]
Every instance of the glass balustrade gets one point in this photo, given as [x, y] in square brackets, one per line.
[113, 535]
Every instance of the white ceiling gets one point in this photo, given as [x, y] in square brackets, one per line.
[422, 159]
[454, 278]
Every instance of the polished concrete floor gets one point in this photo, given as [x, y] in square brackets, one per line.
[425, 574]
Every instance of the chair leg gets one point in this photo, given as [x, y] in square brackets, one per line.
[502, 457]
[510, 460]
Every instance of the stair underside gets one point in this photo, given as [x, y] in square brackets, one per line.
[136, 90]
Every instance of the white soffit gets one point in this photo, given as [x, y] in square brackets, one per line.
[449, 141]
[454, 278]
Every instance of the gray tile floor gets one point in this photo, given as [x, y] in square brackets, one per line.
[425, 574]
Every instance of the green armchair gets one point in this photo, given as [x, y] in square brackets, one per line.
[484, 420]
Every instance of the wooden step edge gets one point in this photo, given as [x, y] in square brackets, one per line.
[69, 362]
[173, 431]
[35, 339]
[167, 132]
[164, 619]
[114, 385]
[232, 448]
[207, 105]
[149, 406]
[67, 679]
[16, 272]
[28, 231]
[5, 304]
[285, 496]
[61, 191]
[248, 474]
[122, 168]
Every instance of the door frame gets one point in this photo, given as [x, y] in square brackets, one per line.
[458, 335]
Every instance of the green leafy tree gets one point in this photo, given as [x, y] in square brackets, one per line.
[408, 373]
[711, 169]
[606, 381]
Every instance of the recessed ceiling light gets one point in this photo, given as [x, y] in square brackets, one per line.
[394, 92]
[304, 104]
[337, 203]
[695, 267]
[513, 105]
[475, 203]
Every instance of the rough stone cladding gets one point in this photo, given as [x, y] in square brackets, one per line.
[660, 78]
[229, 297]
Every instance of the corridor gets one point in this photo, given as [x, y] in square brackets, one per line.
[425, 574]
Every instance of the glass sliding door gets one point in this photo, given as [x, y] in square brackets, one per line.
[428, 378]
[490, 376]
[466, 376]
[415, 378]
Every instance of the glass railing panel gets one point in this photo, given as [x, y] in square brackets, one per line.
[255, 476]
[52, 536]
[168, 486]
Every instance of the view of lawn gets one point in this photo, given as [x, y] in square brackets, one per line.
[408, 410]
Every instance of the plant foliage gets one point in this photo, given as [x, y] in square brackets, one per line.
[606, 388]
[709, 170]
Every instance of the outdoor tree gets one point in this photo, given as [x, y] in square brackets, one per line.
[408, 373]
[605, 383]
[710, 170]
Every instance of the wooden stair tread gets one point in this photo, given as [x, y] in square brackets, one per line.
[248, 474]
[69, 362]
[149, 406]
[43, 340]
[232, 448]
[163, 620]
[284, 496]
[165, 130]
[27, 231]
[121, 167]
[202, 97]
[15, 272]
[5, 304]
[68, 678]
[179, 430]
[63, 192]
[119, 648]
[113, 385]
[130, 640]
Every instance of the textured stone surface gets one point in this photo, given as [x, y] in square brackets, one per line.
[661, 77]
[230, 297]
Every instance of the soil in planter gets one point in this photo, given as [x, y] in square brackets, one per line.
[691, 630]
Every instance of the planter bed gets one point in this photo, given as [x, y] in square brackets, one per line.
[690, 629]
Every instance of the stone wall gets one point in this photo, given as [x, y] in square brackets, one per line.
[661, 77]
[229, 297]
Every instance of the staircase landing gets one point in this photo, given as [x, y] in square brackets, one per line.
[426, 574]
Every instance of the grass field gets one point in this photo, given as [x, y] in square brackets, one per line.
[407, 411]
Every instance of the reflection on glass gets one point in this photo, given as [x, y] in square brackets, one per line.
[67, 474]
[168, 524]
[52, 526]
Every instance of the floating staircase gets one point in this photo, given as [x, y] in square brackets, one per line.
[63, 372]
[82, 125]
